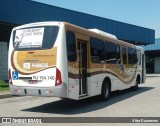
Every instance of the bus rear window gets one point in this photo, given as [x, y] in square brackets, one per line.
[31, 38]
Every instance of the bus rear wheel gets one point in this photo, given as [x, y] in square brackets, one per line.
[134, 88]
[105, 91]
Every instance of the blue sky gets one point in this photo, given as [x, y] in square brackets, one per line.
[145, 13]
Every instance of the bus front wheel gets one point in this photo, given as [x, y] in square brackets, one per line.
[105, 91]
[134, 88]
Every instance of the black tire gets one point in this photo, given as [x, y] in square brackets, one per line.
[135, 88]
[105, 91]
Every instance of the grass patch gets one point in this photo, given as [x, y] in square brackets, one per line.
[2, 82]
[4, 89]
[4, 86]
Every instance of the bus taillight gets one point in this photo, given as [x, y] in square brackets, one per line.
[58, 77]
[10, 78]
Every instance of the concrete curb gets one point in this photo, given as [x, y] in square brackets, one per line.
[153, 75]
[5, 96]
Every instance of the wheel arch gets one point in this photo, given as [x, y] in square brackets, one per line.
[109, 82]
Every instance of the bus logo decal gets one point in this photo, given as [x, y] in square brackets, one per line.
[39, 65]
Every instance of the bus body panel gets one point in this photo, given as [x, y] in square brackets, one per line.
[34, 71]
[37, 69]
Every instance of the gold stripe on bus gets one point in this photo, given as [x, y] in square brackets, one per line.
[38, 60]
[128, 81]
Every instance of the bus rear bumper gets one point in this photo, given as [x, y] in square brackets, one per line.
[56, 91]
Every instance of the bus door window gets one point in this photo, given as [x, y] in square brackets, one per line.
[82, 59]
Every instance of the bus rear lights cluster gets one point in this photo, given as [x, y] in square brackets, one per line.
[10, 78]
[58, 77]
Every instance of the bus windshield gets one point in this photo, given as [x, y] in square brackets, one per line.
[34, 38]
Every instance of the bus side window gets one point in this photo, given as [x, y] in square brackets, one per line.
[97, 50]
[71, 46]
[132, 56]
[110, 50]
[124, 53]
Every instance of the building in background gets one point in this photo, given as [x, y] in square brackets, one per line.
[152, 52]
[18, 12]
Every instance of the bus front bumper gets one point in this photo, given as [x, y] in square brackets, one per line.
[56, 91]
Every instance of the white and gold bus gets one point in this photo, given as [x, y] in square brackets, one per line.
[63, 60]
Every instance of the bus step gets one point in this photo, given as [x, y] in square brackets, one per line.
[82, 95]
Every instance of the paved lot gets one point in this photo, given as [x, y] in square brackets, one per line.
[142, 103]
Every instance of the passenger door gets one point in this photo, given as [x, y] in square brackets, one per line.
[82, 61]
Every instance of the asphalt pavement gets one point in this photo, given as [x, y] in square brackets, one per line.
[6, 94]
[141, 103]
